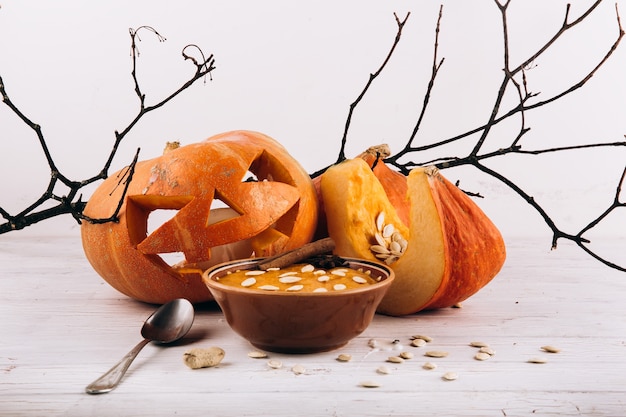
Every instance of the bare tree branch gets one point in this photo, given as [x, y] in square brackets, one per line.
[71, 203]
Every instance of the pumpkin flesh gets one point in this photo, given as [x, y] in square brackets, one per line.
[453, 248]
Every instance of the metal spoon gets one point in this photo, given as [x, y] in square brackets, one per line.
[167, 324]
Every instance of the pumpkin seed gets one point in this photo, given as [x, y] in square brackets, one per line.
[429, 366]
[373, 343]
[296, 287]
[390, 260]
[482, 356]
[298, 369]
[427, 339]
[321, 289]
[395, 247]
[255, 354]
[344, 357]
[338, 272]
[339, 287]
[379, 249]
[406, 355]
[268, 287]
[450, 376]
[248, 282]
[289, 280]
[369, 384]
[395, 359]
[383, 370]
[380, 221]
[550, 349]
[388, 230]
[254, 272]
[287, 274]
[436, 354]
[537, 360]
[274, 364]
[478, 344]
[418, 342]
[323, 278]
[359, 280]
[487, 350]
[307, 268]
[380, 240]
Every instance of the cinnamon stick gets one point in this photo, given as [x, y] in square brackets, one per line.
[319, 247]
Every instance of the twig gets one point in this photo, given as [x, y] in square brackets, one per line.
[72, 203]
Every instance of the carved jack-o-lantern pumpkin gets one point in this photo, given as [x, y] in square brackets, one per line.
[268, 205]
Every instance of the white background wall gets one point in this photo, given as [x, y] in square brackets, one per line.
[290, 69]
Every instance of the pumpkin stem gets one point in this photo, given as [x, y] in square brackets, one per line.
[170, 146]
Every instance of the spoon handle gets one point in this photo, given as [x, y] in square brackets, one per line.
[113, 376]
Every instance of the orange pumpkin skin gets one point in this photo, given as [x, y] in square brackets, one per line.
[274, 213]
[453, 248]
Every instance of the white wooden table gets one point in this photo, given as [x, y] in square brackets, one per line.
[63, 326]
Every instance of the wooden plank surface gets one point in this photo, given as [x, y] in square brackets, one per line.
[63, 326]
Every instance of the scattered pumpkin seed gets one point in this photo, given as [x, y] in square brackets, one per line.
[321, 289]
[344, 357]
[369, 384]
[426, 339]
[395, 359]
[450, 376]
[254, 272]
[298, 369]
[323, 278]
[297, 287]
[274, 364]
[436, 354]
[383, 370]
[406, 355]
[418, 342]
[478, 344]
[550, 349]
[248, 282]
[255, 354]
[308, 268]
[339, 287]
[287, 274]
[373, 343]
[429, 366]
[457, 305]
[537, 360]
[482, 356]
[338, 272]
[487, 350]
[359, 280]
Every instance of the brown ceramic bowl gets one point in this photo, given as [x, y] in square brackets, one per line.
[292, 322]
